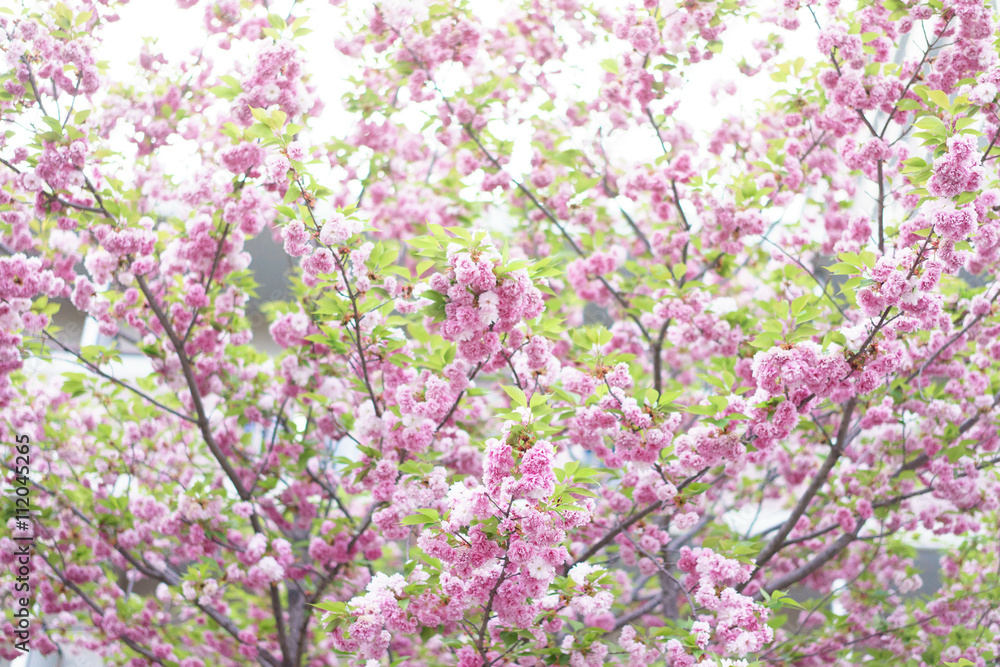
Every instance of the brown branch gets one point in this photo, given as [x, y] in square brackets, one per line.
[913, 78]
[664, 572]
[148, 655]
[861, 115]
[922, 459]
[353, 296]
[613, 193]
[166, 576]
[489, 606]
[96, 369]
[31, 81]
[192, 383]
[270, 448]
[812, 275]
[778, 541]
[881, 208]
[647, 607]
[821, 559]
[993, 142]
[673, 187]
[10, 166]
[208, 282]
[311, 600]
[658, 357]
[625, 525]
[458, 399]
[951, 340]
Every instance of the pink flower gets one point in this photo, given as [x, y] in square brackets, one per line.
[276, 167]
[271, 569]
[243, 157]
[958, 170]
[338, 229]
[953, 223]
[296, 238]
[296, 151]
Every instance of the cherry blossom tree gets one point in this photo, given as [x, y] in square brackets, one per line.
[545, 342]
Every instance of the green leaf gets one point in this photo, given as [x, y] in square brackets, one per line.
[539, 399]
[800, 303]
[516, 395]
[259, 131]
[940, 98]
[934, 124]
[423, 266]
[276, 21]
[603, 336]
[421, 517]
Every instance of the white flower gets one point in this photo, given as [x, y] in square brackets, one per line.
[188, 591]
[460, 499]
[31, 181]
[382, 582]
[666, 492]
[271, 568]
[271, 92]
[489, 308]
[578, 573]
[550, 601]
[209, 588]
[538, 568]
[855, 335]
[525, 413]
[256, 546]
[335, 231]
[983, 93]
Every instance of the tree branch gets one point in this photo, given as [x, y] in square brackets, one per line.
[614, 532]
[778, 541]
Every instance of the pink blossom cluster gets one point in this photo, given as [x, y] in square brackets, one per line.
[378, 615]
[481, 305]
[583, 274]
[275, 79]
[22, 279]
[635, 432]
[958, 170]
[897, 285]
[69, 64]
[730, 224]
[695, 331]
[739, 623]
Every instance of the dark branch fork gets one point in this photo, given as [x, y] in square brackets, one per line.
[778, 541]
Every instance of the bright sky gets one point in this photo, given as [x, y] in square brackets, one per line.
[179, 32]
